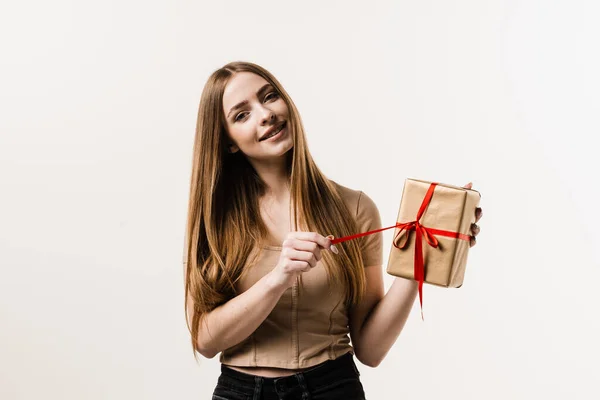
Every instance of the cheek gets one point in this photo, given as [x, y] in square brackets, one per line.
[282, 109]
[243, 134]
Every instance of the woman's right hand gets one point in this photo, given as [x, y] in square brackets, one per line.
[300, 252]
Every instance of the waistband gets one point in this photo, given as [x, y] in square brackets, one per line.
[341, 366]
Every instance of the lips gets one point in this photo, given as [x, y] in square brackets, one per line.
[272, 129]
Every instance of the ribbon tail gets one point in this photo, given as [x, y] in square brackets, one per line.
[421, 299]
[419, 266]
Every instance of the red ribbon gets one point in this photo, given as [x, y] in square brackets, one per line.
[422, 232]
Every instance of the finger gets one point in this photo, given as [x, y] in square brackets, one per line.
[313, 237]
[478, 214]
[305, 256]
[303, 245]
[333, 248]
[468, 185]
[473, 241]
[475, 229]
[302, 266]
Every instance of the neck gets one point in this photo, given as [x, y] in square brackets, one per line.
[275, 176]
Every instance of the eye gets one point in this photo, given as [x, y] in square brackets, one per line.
[274, 95]
[237, 117]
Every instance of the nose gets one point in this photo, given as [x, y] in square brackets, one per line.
[268, 117]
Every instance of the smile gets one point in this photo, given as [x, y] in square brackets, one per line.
[276, 133]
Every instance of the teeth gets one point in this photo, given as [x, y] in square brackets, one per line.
[274, 133]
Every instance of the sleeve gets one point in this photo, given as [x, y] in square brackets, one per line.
[368, 219]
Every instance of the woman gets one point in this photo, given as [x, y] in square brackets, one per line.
[264, 287]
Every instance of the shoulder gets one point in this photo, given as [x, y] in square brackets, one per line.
[367, 218]
[358, 202]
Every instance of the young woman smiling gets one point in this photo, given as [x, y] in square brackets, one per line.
[265, 288]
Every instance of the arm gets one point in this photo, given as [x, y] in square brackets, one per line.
[232, 322]
[377, 321]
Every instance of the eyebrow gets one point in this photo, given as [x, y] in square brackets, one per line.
[241, 104]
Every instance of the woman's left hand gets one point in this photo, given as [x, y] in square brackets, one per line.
[478, 213]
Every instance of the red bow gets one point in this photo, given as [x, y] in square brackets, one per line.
[422, 232]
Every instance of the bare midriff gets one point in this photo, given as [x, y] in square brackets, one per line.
[267, 372]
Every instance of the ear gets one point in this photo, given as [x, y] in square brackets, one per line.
[232, 148]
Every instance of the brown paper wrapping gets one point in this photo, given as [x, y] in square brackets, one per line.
[452, 208]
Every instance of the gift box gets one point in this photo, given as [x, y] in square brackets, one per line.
[431, 238]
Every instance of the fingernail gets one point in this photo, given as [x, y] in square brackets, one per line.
[332, 248]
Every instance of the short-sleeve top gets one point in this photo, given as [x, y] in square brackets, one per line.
[309, 323]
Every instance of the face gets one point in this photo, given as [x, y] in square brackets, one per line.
[254, 111]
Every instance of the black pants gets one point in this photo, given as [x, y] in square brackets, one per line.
[331, 380]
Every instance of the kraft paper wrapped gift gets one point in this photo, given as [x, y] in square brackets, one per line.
[429, 213]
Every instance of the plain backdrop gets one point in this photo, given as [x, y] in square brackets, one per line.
[98, 105]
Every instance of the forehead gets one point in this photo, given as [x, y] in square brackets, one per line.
[242, 86]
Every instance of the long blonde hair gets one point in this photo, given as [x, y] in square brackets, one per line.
[224, 223]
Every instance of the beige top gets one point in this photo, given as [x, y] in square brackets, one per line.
[309, 324]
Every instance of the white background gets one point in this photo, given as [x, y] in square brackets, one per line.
[98, 110]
